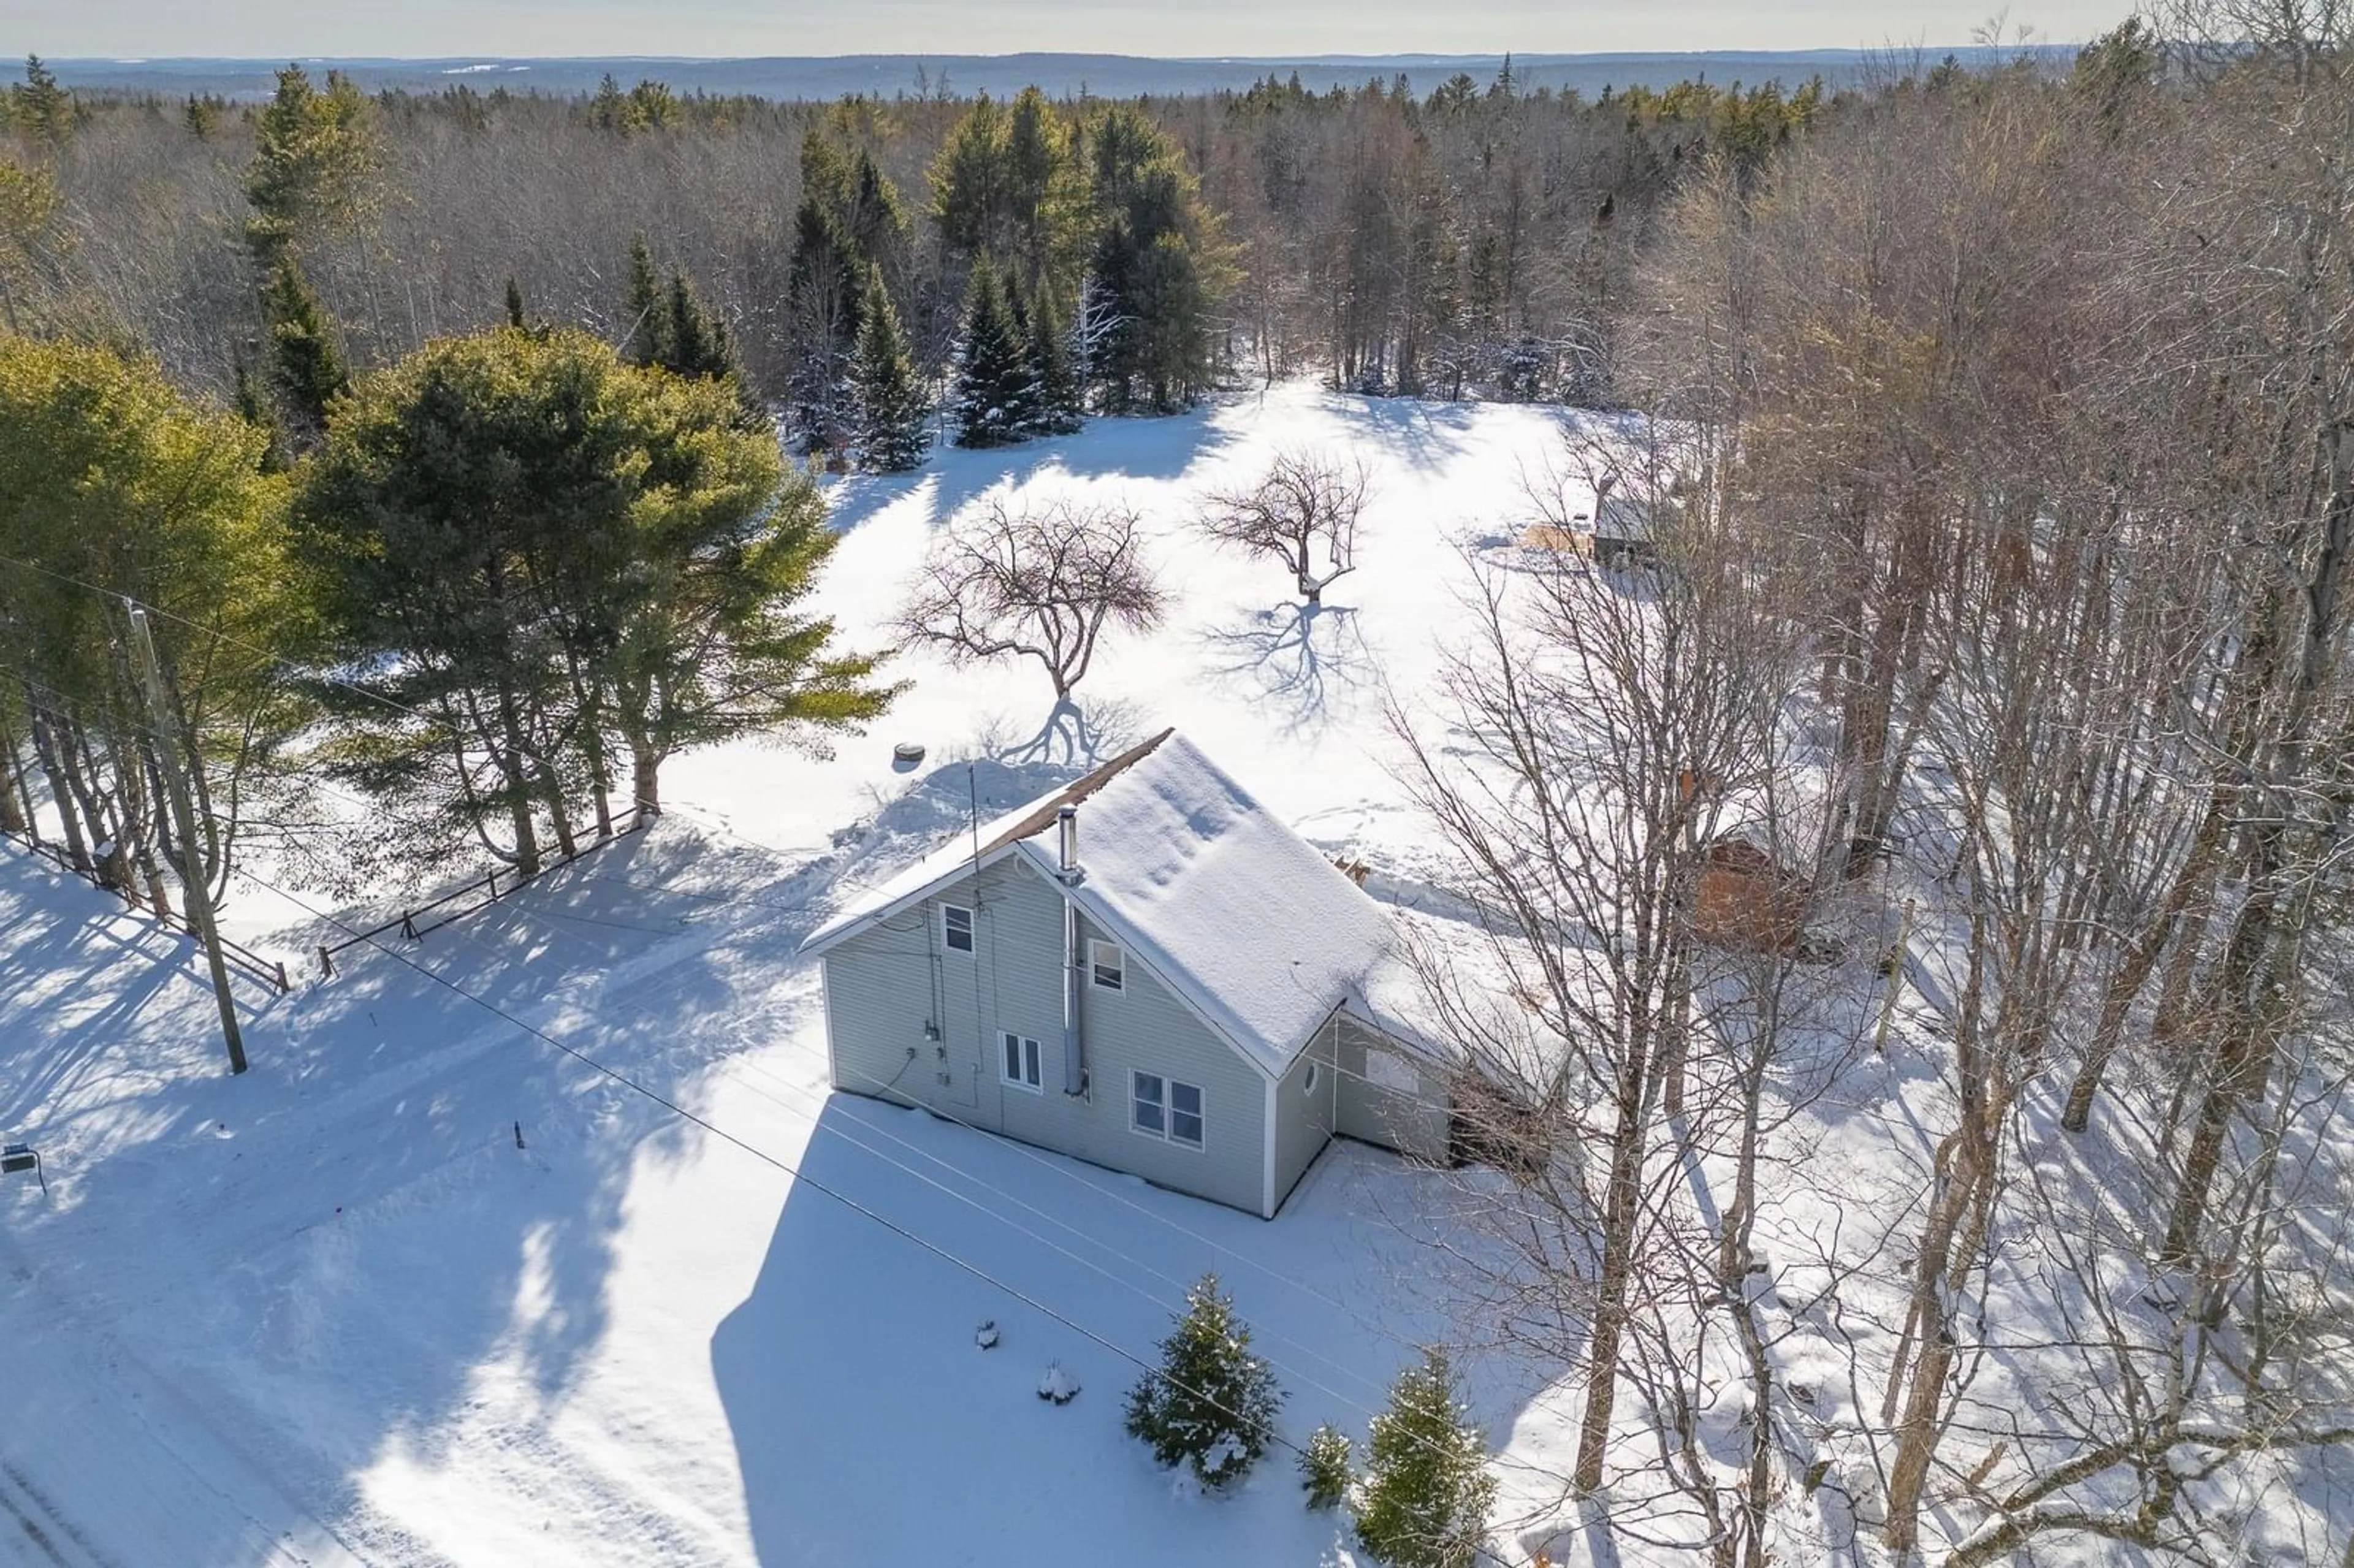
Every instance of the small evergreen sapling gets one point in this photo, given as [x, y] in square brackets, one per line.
[1324, 1468]
[1426, 1489]
[1211, 1402]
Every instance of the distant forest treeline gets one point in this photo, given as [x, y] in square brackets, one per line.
[1472, 241]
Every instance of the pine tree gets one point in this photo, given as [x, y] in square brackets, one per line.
[1520, 371]
[1155, 264]
[1324, 1469]
[644, 311]
[698, 341]
[316, 160]
[1025, 406]
[1061, 401]
[992, 369]
[823, 284]
[891, 411]
[251, 401]
[38, 107]
[306, 369]
[1426, 1489]
[1211, 1402]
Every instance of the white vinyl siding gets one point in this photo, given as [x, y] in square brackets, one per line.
[1165, 1108]
[884, 986]
[1106, 965]
[1017, 1062]
[1385, 1098]
[956, 928]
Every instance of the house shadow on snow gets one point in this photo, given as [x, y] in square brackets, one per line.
[871, 1426]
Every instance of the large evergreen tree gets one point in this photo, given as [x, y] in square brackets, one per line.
[1061, 397]
[646, 312]
[315, 162]
[1153, 264]
[994, 378]
[825, 284]
[110, 478]
[39, 109]
[306, 368]
[891, 406]
[1023, 404]
[557, 559]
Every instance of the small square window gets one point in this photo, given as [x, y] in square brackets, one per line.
[1018, 1062]
[956, 927]
[1107, 968]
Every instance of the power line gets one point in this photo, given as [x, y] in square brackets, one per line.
[853, 1204]
[621, 1079]
[734, 1069]
[731, 1066]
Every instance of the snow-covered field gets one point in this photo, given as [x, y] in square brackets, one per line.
[422, 1288]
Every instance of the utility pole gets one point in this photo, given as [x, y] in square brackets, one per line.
[184, 817]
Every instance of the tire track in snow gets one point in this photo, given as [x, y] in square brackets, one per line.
[22, 1501]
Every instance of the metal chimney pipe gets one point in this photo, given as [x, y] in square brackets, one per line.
[1075, 1055]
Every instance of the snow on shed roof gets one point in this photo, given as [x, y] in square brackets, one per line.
[1248, 922]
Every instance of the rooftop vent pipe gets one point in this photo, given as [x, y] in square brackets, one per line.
[1067, 823]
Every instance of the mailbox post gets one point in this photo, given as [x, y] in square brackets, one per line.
[16, 1156]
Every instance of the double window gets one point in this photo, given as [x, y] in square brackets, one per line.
[956, 927]
[1018, 1062]
[1106, 967]
[1164, 1108]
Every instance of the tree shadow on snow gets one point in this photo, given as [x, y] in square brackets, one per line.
[1073, 737]
[1161, 446]
[459, 1182]
[1422, 434]
[1296, 659]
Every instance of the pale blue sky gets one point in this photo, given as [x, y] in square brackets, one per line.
[153, 29]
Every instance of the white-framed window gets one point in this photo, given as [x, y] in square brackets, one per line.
[956, 927]
[1017, 1062]
[1164, 1108]
[1107, 966]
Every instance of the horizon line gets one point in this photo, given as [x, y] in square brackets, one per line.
[1431, 57]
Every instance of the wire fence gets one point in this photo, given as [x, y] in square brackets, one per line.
[238, 957]
[472, 897]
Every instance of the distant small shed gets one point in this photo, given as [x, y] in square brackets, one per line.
[1623, 530]
[1748, 901]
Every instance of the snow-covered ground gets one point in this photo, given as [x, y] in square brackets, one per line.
[542, 1241]
[423, 1288]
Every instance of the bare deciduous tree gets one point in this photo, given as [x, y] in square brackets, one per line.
[1041, 584]
[1302, 512]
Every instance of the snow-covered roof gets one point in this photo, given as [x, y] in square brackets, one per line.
[1248, 923]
